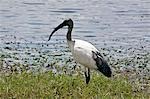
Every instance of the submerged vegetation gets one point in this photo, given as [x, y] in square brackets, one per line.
[50, 85]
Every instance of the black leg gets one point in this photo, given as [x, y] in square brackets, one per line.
[87, 76]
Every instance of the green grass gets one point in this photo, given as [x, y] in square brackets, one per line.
[49, 85]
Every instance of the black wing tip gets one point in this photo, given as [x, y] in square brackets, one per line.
[101, 64]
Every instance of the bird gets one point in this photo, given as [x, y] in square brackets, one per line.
[84, 52]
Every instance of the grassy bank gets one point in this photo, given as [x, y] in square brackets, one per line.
[49, 85]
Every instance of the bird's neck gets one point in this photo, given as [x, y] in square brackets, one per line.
[71, 44]
[69, 38]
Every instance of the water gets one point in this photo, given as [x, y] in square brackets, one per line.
[121, 27]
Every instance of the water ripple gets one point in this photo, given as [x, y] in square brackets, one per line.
[64, 11]
[33, 3]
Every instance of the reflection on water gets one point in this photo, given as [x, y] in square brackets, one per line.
[25, 26]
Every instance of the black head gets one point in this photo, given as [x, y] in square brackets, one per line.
[68, 22]
[105, 69]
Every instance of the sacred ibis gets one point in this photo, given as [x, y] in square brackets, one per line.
[84, 53]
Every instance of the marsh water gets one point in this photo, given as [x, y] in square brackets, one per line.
[119, 28]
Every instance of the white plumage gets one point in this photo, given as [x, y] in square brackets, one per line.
[84, 52]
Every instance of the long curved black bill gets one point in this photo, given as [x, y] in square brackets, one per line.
[57, 28]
